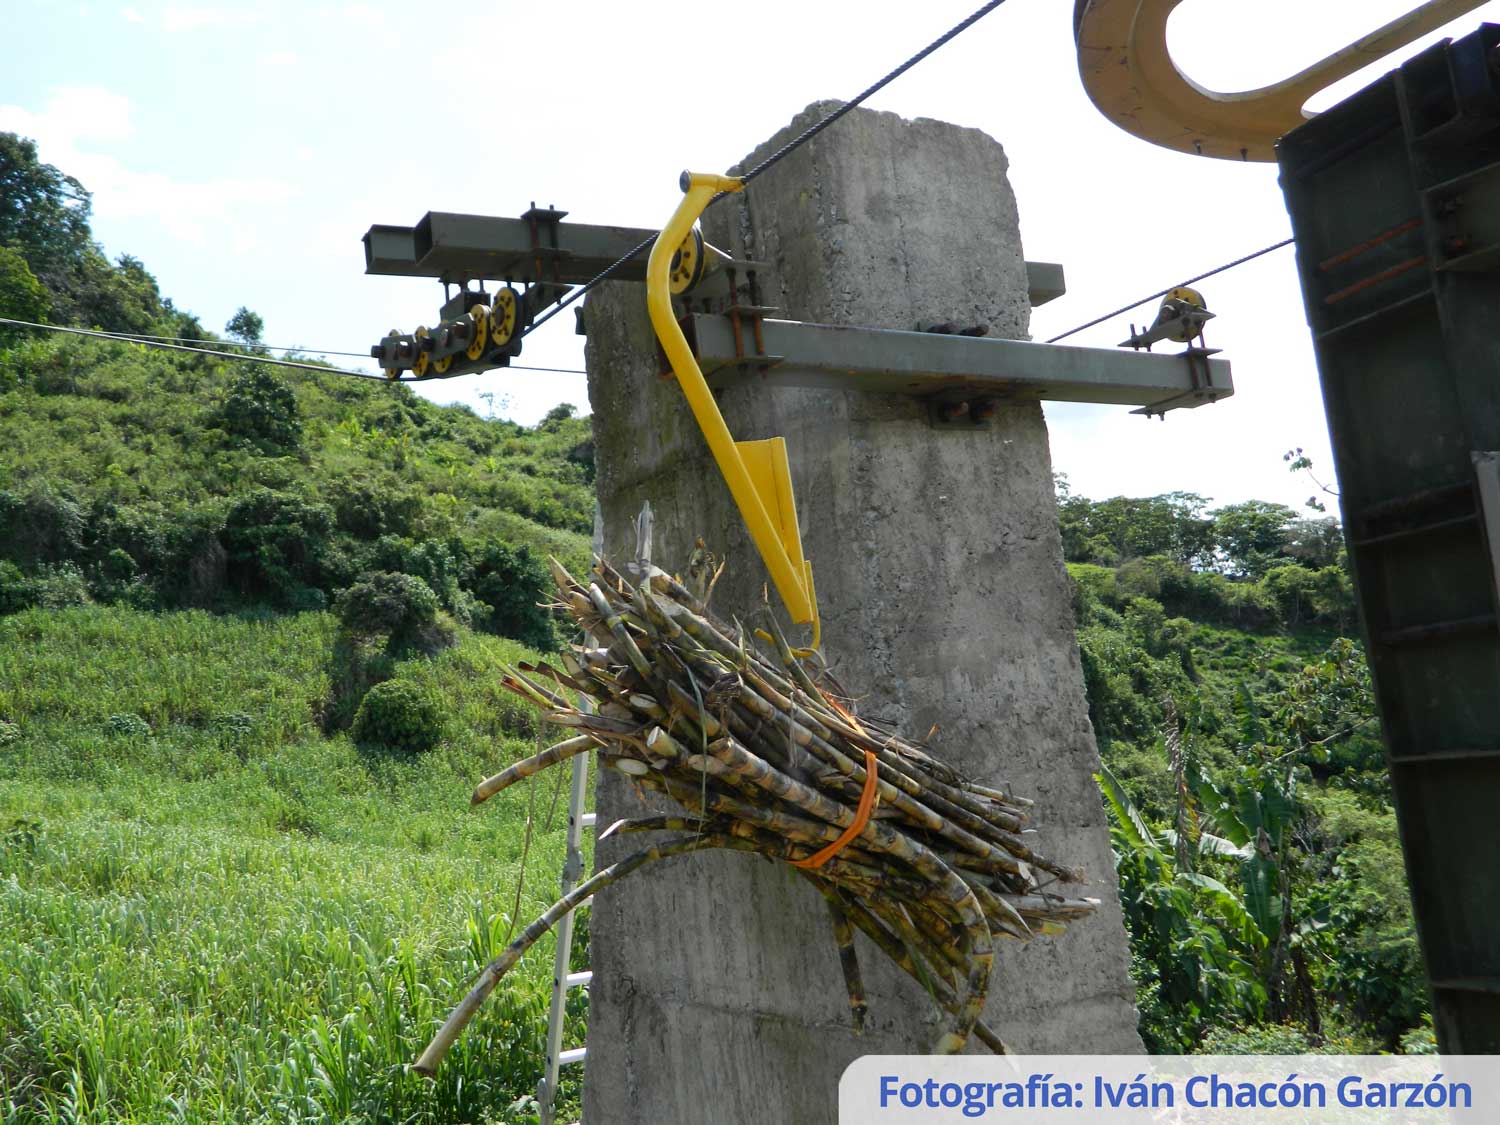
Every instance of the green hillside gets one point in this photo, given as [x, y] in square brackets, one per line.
[212, 912]
[250, 625]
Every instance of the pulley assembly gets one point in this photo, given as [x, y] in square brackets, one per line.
[480, 331]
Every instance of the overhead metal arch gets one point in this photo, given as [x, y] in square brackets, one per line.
[1130, 76]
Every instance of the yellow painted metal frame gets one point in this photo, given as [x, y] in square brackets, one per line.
[757, 472]
[1130, 76]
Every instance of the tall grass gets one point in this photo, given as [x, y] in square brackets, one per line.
[215, 914]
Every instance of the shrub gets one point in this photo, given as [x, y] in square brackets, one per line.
[22, 296]
[401, 715]
[510, 581]
[261, 410]
[9, 733]
[16, 592]
[276, 543]
[127, 726]
[58, 587]
[41, 526]
[400, 607]
[1420, 1040]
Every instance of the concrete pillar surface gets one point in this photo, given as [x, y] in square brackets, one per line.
[717, 994]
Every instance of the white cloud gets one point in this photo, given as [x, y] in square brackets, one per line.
[184, 18]
[280, 58]
[74, 113]
[130, 15]
[69, 132]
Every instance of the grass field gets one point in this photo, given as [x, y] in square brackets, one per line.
[211, 912]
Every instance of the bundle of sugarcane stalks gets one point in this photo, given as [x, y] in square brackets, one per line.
[764, 755]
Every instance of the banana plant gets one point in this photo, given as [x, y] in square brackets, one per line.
[1190, 928]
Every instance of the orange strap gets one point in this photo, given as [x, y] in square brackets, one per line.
[861, 818]
[861, 814]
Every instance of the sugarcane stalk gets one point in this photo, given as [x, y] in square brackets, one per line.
[528, 766]
[769, 760]
[491, 974]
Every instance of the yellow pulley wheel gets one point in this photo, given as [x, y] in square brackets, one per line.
[687, 263]
[480, 340]
[392, 372]
[422, 358]
[502, 318]
[440, 366]
[1191, 296]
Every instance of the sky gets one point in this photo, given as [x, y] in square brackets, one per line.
[242, 150]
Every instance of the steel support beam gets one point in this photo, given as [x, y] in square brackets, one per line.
[923, 364]
[457, 248]
[1394, 196]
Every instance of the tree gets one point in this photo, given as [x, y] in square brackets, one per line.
[1107, 532]
[43, 213]
[261, 410]
[44, 216]
[557, 416]
[22, 296]
[246, 327]
[1250, 536]
[1300, 462]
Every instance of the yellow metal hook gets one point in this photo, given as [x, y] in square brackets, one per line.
[1131, 78]
[757, 472]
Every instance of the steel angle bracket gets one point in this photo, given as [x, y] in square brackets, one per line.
[1130, 76]
[757, 472]
[1201, 387]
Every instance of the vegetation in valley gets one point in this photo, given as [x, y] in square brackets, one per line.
[1260, 869]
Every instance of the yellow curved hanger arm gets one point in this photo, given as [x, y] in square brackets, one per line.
[1131, 78]
[756, 472]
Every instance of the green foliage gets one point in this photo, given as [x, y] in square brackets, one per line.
[261, 410]
[1259, 867]
[1110, 531]
[245, 326]
[22, 296]
[1420, 1040]
[238, 919]
[399, 609]
[44, 214]
[115, 450]
[1251, 535]
[125, 725]
[1374, 963]
[276, 545]
[510, 582]
[401, 715]
[41, 526]
[16, 591]
[1239, 566]
[58, 586]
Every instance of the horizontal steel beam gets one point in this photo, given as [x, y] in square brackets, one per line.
[464, 247]
[924, 364]
[473, 247]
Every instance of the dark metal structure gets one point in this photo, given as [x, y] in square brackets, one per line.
[1395, 201]
[539, 246]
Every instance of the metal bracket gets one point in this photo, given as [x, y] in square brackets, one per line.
[1201, 387]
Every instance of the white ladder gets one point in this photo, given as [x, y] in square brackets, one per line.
[562, 979]
[578, 820]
